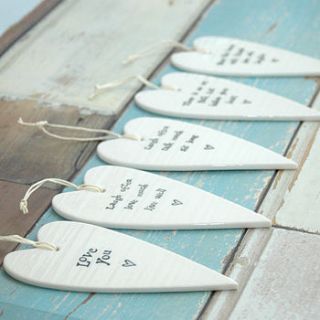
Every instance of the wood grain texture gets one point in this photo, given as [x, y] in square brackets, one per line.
[30, 155]
[82, 43]
[254, 241]
[285, 283]
[14, 29]
[214, 248]
[12, 220]
[300, 208]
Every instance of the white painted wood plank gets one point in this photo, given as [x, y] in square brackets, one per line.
[285, 283]
[300, 209]
[254, 241]
[82, 43]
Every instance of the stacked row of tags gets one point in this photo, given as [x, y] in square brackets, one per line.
[84, 256]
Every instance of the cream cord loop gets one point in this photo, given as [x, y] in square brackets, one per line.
[37, 244]
[43, 124]
[150, 49]
[24, 201]
[99, 88]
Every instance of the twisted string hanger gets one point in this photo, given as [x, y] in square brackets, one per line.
[36, 244]
[107, 134]
[163, 44]
[100, 88]
[34, 187]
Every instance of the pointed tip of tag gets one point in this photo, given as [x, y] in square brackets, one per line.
[229, 284]
[292, 165]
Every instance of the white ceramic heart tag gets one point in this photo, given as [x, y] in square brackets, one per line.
[95, 259]
[180, 146]
[204, 97]
[136, 199]
[234, 57]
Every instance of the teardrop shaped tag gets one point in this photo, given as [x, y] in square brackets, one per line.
[180, 146]
[235, 57]
[136, 199]
[205, 97]
[95, 259]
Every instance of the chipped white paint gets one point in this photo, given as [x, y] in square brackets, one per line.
[65, 55]
[285, 282]
[254, 241]
[301, 204]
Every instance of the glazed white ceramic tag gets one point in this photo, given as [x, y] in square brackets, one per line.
[204, 97]
[135, 199]
[234, 57]
[180, 146]
[95, 259]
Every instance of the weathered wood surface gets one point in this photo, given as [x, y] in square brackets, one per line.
[17, 17]
[214, 248]
[300, 207]
[211, 247]
[82, 43]
[29, 154]
[254, 241]
[285, 282]
[12, 220]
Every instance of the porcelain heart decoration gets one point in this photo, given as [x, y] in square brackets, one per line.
[234, 57]
[136, 199]
[179, 146]
[95, 259]
[205, 97]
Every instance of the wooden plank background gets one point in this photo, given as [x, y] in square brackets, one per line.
[275, 23]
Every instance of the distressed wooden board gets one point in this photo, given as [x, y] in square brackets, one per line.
[300, 209]
[12, 220]
[285, 283]
[29, 154]
[248, 253]
[13, 11]
[213, 248]
[19, 17]
[82, 43]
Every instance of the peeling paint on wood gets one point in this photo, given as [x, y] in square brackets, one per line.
[82, 43]
[285, 283]
[300, 209]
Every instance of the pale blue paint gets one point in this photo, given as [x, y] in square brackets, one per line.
[297, 28]
[12, 11]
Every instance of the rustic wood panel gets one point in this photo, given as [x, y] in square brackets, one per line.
[82, 43]
[12, 220]
[285, 283]
[213, 248]
[29, 154]
[254, 241]
[14, 29]
[300, 208]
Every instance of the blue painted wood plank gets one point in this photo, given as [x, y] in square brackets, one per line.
[288, 24]
[12, 11]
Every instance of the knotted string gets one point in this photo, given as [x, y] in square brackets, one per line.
[43, 125]
[165, 43]
[24, 201]
[37, 244]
